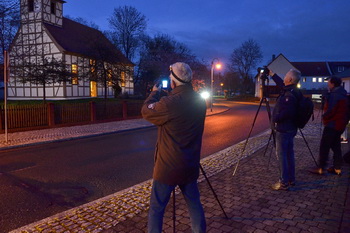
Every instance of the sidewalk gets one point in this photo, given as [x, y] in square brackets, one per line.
[26, 138]
[315, 204]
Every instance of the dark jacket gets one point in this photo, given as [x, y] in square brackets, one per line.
[336, 115]
[285, 110]
[180, 120]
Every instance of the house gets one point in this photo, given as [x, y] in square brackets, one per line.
[45, 35]
[313, 74]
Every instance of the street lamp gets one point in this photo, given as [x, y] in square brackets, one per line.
[214, 64]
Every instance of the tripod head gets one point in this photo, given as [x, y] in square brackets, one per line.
[264, 77]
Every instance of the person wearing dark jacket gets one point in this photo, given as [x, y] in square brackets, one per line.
[180, 119]
[285, 126]
[335, 119]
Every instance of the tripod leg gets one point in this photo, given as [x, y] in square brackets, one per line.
[216, 197]
[307, 144]
[174, 215]
[250, 132]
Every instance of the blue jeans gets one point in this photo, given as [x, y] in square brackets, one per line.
[285, 153]
[160, 197]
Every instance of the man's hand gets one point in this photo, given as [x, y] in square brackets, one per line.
[157, 87]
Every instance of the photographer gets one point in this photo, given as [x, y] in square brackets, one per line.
[180, 119]
[335, 119]
[285, 126]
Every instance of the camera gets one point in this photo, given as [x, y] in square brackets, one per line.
[264, 72]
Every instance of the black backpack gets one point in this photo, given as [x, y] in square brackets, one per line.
[305, 110]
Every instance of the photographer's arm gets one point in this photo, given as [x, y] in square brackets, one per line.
[278, 80]
[155, 108]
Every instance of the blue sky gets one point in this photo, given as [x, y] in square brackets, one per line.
[303, 30]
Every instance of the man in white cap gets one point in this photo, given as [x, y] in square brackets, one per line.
[180, 119]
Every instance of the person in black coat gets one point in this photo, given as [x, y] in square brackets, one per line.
[285, 126]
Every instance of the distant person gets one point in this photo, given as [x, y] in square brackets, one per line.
[285, 126]
[335, 118]
[180, 119]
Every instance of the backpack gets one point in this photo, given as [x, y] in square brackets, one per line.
[305, 110]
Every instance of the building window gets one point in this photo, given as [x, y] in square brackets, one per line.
[110, 76]
[75, 74]
[30, 5]
[320, 80]
[324, 80]
[53, 7]
[341, 68]
[122, 79]
[304, 80]
[314, 80]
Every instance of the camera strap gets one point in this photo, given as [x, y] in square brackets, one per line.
[177, 78]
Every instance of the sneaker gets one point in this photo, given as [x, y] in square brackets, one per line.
[280, 186]
[334, 171]
[317, 170]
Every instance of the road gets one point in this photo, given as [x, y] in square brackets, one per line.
[42, 180]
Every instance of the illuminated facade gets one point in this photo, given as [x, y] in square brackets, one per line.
[45, 35]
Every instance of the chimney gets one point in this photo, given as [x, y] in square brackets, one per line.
[273, 57]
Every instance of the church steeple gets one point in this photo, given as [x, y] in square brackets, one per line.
[47, 11]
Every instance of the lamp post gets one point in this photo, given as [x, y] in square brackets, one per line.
[216, 65]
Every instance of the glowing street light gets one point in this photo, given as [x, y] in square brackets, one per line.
[205, 95]
[218, 66]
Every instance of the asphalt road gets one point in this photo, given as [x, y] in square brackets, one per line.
[42, 180]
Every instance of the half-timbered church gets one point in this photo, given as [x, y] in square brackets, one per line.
[46, 35]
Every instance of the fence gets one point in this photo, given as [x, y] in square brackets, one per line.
[27, 117]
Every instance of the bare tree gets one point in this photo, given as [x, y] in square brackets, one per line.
[31, 63]
[156, 55]
[127, 25]
[9, 23]
[244, 59]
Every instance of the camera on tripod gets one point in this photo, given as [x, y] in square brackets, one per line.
[264, 72]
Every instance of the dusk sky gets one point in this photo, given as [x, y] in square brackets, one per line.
[302, 30]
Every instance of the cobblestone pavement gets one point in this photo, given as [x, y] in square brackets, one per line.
[315, 204]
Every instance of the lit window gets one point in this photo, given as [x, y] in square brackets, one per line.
[314, 80]
[92, 66]
[122, 79]
[298, 85]
[110, 75]
[320, 80]
[53, 7]
[75, 74]
[324, 80]
[304, 80]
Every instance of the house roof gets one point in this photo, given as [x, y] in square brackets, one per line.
[79, 39]
[312, 68]
[344, 74]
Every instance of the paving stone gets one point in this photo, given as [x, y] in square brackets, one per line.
[316, 204]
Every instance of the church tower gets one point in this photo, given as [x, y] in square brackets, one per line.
[45, 11]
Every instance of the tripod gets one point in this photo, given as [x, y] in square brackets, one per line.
[212, 189]
[265, 100]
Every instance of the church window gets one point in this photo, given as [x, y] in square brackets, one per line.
[53, 7]
[122, 79]
[30, 5]
[75, 74]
